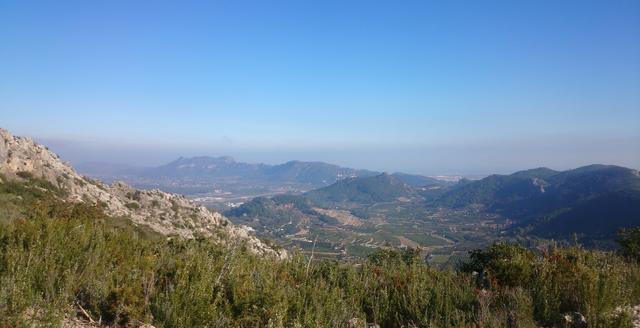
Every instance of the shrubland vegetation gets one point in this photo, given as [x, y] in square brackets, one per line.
[57, 258]
[629, 241]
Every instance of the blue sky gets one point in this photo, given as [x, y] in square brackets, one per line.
[426, 86]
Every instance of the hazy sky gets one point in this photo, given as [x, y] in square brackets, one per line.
[425, 87]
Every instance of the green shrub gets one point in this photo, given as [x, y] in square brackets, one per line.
[629, 242]
[559, 281]
[58, 257]
[132, 205]
[502, 263]
[25, 175]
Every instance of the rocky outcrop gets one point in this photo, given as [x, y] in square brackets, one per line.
[165, 213]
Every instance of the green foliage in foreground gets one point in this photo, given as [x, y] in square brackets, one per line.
[59, 258]
[629, 241]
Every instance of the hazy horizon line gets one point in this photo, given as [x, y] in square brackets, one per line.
[253, 157]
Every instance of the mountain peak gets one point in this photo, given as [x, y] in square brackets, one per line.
[539, 173]
[205, 159]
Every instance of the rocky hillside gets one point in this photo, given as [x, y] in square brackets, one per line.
[168, 214]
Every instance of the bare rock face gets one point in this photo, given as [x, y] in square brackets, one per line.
[165, 213]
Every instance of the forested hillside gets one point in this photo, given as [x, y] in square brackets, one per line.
[592, 201]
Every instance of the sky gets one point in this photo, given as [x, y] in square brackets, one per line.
[431, 87]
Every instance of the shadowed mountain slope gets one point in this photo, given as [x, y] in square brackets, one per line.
[593, 201]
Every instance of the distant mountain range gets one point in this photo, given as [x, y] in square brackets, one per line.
[592, 202]
[204, 167]
[226, 171]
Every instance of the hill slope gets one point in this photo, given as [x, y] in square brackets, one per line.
[22, 160]
[312, 173]
[594, 200]
[415, 180]
[363, 190]
[205, 167]
[329, 211]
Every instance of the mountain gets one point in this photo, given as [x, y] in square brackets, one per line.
[362, 190]
[593, 201]
[495, 190]
[538, 173]
[595, 220]
[195, 175]
[415, 180]
[355, 214]
[205, 167]
[532, 190]
[312, 173]
[276, 216]
[25, 164]
[295, 215]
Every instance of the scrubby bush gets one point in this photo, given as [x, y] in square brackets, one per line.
[629, 241]
[557, 281]
[58, 258]
[25, 174]
[132, 205]
[52, 266]
[502, 263]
